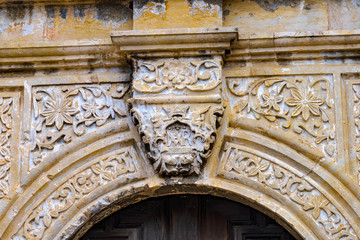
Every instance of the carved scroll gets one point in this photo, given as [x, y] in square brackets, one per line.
[61, 113]
[5, 136]
[118, 166]
[241, 164]
[302, 104]
[174, 74]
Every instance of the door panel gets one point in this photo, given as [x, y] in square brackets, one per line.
[188, 217]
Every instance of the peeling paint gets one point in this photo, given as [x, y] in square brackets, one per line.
[206, 8]
[273, 5]
[157, 8]
[42, 22]
[177, 14]
[276, 15]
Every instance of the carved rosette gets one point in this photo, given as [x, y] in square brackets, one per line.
[176, 124]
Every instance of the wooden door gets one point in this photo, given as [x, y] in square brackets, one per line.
[187, 217]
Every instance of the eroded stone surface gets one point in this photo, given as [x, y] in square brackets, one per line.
[266, 118]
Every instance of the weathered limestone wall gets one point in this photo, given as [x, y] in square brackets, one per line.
[106, 103]
[58, 21]
[37, 22]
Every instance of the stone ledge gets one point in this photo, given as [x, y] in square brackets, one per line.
[176, 42]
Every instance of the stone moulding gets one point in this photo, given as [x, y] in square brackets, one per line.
[238, 162]
[181, 42]
[119, 166]
[47, 56]
[293, 46]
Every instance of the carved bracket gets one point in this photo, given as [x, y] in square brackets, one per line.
[176, 101]
[177, 127]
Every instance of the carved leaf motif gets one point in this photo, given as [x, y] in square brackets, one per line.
[64, 112]
[300, 104]
[5, 139]
[101, 172]
[194, 75]
[290, 186]
[47, 220]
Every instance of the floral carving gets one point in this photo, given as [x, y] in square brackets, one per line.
[241, 164]
[119, 166]
[302, 104]
[178, 137]
[64, 112]
[5, 136]
[172, 74]
[58, 111]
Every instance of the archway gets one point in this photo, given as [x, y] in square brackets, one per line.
[187, 217]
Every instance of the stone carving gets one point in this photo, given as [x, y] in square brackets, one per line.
[5, 136]
[61, 113]
[191, 74]
[178, 138]
[356, 112]
[113, 166]
[242, 164]
[302, 104]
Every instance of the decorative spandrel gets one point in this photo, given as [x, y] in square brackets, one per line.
[65, 112]
[177, 109]
[303, 105]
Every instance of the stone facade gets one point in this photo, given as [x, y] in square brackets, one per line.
[104, 104]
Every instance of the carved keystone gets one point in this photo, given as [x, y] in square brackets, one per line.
[177, 104]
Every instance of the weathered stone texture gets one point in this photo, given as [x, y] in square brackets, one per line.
[256, 101]
[36, 22]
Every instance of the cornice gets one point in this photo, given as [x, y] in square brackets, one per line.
[287, 46]
[175, 42]
[67, 54]
[296, 46]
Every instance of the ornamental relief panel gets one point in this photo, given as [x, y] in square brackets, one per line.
[239, 163]
[61, 113]
[170, 75]
[6, 132]
[120, 166]
[178, 138]
[177, 126]
[301, 104]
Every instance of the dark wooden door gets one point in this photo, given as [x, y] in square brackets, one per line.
[187, 217]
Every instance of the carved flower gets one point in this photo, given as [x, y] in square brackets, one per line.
[58, 111]
[271, 102]
[92, 108]
[304, 103]
[178, 76]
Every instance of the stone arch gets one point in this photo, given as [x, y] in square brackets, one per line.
[280, 186]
